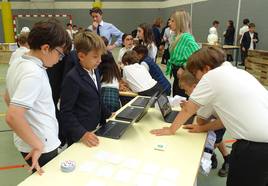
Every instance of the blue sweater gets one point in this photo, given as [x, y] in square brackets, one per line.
[157, 74]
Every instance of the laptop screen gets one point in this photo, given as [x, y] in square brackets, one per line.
[164, 105]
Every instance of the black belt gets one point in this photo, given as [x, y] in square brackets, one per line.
[252, 142]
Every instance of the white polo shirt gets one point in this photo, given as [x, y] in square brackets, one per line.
[18, 53]
[138, 78]
[240, 101]
[28, 86]
[242, 30]
[205, 112]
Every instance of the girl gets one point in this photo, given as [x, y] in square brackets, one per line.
[110, 77]
[145, 34]
[138, 78]
[127, 45]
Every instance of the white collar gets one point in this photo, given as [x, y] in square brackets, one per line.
[101, 23]
[35, 60]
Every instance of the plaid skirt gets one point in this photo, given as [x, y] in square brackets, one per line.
[110, 98]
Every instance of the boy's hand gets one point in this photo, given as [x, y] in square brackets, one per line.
[179, 72]
[243, 49]
[193, 128]
[95, 25]
[162, 132]
[90, 139]
[35, 155]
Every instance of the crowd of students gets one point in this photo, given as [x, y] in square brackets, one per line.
[67, 107]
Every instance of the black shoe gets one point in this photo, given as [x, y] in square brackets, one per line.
[214, 161]
[241, 64]
[223, 172]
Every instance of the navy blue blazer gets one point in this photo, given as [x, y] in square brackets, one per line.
[246, 40]
[81, 108]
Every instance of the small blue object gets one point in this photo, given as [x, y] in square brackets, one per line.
[67, 166]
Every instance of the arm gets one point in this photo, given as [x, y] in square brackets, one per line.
[6, 98]
[15, 118]
[213, 125]
[188, 110]
[118, 35]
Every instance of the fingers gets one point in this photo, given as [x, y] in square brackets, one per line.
[92, 140]
[158, 132]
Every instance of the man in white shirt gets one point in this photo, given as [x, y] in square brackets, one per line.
[242, 108]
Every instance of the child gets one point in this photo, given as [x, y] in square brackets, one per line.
[249, 41]
[110, 77]
[188, 83]
[81, 108]
[145, 34]
[152, 67]
[23, 47]
[31, 112]
[128, 45]
[137, 77]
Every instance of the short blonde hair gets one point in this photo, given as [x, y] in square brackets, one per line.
[87, 41]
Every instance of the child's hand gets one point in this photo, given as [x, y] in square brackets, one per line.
[194, 128]
[90, 139]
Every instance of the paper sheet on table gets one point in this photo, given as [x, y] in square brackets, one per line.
[144, 180]
[124, 175]
[165, 182]
[105, 171]
[89, 166]
[109, 157]
[151, 168]
[96, 183]
[171, 174]
[131, 163]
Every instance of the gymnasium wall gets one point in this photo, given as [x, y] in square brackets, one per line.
[203, 15]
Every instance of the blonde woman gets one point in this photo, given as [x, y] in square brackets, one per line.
[182, 47]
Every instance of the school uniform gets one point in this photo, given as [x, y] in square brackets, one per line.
[248, 43]
[139, 80]
[23, 74]
[81, 108]
[157, 74]
[241, 103]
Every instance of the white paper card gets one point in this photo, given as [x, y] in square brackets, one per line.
[144, 180]
[171, 174]
[151, 168]
[96, 183]
[89, 166]
[131, 163]
[124, 175]
[105, 171]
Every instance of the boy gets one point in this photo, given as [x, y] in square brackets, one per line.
[249, 41]
[81, 109]
[152, 67]
[31, 112]
[188, 83]
[23, 47]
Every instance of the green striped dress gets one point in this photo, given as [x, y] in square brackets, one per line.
[184, 48]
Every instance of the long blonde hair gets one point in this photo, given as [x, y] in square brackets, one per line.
[183, 24]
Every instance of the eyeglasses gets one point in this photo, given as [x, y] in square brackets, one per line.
[60, 54]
